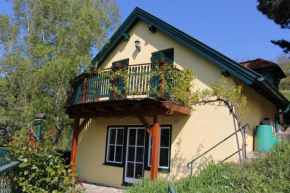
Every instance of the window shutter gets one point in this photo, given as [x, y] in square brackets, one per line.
[120, 82]
[156, 58]
[120, 64]
[163, 56]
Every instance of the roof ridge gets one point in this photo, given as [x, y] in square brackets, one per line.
[246, 75]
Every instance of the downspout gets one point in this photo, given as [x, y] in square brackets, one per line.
[278, 114]
[262, 80]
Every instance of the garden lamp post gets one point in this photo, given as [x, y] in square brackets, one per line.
[39, 117]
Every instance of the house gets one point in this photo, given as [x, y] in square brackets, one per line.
[116, 139]
[273, 73]
[266, 68]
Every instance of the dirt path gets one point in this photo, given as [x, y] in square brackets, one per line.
[93, 188]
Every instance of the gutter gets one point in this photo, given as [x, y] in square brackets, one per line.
[267, 86]
[277, 116]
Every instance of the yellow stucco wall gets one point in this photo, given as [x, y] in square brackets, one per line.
[191, 135]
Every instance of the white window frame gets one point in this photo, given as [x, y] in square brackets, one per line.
[115, 144]
[149, 149]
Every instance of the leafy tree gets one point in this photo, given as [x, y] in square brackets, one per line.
[279, 11]
[43, 44]
[284, 63]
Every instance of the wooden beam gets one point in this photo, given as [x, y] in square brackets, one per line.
[119, 107]
[155, 147]
[152, 28]
[146, 124]
[87, 110]
[169, 112]
[177, 108]
[69, 111]
[77, 110]
[74, 145]
[137, 105]
[119, 114]
[126, 36]
[102, 109]
[82, 126]
[152, 108]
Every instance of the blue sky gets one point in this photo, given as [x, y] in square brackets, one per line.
[234, 28]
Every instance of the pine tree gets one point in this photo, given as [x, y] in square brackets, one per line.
[279, 11]
[284, 63]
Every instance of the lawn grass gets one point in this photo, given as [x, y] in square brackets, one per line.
[270, 173]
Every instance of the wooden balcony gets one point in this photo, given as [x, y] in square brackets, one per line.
[129, 91]
[124, 91]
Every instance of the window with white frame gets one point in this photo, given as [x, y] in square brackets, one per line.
[115, 145]
[164, 151]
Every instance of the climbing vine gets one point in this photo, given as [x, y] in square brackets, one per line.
[176, 83]
[231, 97]
[168, 82]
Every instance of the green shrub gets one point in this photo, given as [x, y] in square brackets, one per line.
[146, 185]
[41, 168]
[270, 173]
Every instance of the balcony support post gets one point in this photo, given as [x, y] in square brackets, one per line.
[155, 147]
[146, 125]
[82, 126]
[77, 130]
[74, 145]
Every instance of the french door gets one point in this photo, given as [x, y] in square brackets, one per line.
[134, 167]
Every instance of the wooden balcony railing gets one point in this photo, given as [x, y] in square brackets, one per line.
[133, 81]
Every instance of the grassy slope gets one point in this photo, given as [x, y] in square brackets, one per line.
[270, 173]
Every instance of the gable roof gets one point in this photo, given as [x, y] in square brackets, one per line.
[260, 65]
[251, 78]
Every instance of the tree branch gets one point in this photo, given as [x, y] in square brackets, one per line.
[57, 134]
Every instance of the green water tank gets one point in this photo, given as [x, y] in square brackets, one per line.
[275, 140]
[264, 138]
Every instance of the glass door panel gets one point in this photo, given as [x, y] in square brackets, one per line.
[134, 168]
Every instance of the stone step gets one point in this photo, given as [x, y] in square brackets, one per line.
[282, 135]
[254, 154]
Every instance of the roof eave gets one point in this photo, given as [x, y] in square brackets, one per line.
[272, 91]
